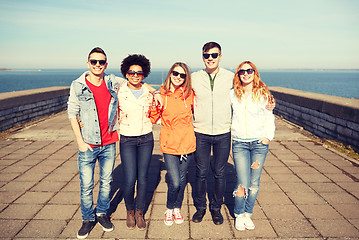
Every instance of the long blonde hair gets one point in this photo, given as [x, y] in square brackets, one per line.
[187, 85]
[260, 89]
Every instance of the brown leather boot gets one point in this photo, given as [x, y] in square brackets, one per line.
[130, 222]
[140, 221]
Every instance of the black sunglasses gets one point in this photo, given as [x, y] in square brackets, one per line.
[94, 62]
[182, 75]
[214, 55]
[132, 73]
[242, 71]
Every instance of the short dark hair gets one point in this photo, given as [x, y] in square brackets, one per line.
[211, 45]
[136, 59]
[97, 50]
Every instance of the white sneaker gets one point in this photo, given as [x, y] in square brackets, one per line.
[239, 223]
[177, 216]
[248, 223]
[169, 217]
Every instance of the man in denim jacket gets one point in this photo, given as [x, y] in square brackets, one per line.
[93, 98]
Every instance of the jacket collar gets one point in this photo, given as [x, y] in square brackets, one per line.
[82, 78]
[220, 70]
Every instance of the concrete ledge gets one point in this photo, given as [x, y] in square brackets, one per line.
[24, 106]
[340, 107]
[326, 116]
[11, 99]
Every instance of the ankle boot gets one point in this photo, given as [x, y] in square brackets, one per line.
[130, 222]
[140, 221]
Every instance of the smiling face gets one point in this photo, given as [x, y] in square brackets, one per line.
[177, 81]
[212, 63]
[97, 69]
[135, 80]
[246, 78]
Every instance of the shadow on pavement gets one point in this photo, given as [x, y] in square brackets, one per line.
[153, 178]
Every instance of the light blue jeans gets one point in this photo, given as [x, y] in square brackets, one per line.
[245, 154]
[87, 161]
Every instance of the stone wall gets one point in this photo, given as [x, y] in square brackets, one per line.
[23, 106]
[325, 116]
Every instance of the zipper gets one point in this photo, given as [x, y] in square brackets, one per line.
[245, 117]
[212, 111]
[143, 113]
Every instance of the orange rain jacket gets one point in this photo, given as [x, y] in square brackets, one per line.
[177, 134]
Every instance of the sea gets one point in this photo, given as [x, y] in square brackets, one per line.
[342, 83]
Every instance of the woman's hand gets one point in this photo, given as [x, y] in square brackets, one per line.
[158, 99]
[270, 106]
[264, 140]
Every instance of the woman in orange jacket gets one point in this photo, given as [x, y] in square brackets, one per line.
[177, 138]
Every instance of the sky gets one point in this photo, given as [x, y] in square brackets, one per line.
[274, 34]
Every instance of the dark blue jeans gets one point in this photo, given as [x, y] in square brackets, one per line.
[136, 153]
[221, 145]
[176, 178]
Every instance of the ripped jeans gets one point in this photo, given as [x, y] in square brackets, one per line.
[248, 159]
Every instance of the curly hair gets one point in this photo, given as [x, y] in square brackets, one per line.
[260, 89]
[136, 59]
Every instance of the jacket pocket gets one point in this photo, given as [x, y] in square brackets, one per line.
[86, 101]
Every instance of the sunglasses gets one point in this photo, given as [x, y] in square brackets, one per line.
[94, 62]
[182, 75]
[242, 71]
[132, 73]
[214, 55]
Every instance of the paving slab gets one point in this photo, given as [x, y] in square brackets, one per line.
[295, 229]
[335, 228]
[20, 211]
[9, 229]
[307, 191]
[319, 211]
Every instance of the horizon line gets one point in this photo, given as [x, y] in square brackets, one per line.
[160, 68]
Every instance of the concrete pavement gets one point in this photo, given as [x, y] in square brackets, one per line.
[307, 191]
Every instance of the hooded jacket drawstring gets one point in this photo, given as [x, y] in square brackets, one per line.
[183, 158]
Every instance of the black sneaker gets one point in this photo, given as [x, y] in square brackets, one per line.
[86, 228]
[105, 222]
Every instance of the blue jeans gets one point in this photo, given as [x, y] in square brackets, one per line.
[246, 155]
[221, 147]
[176, 178]
[136, 153]
[86, 162]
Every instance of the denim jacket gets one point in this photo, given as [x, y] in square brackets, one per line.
[82, 103]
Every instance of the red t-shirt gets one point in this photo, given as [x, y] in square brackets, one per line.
[102, 99]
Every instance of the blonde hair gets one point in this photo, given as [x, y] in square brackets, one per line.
[260, 89]
[187, 85]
